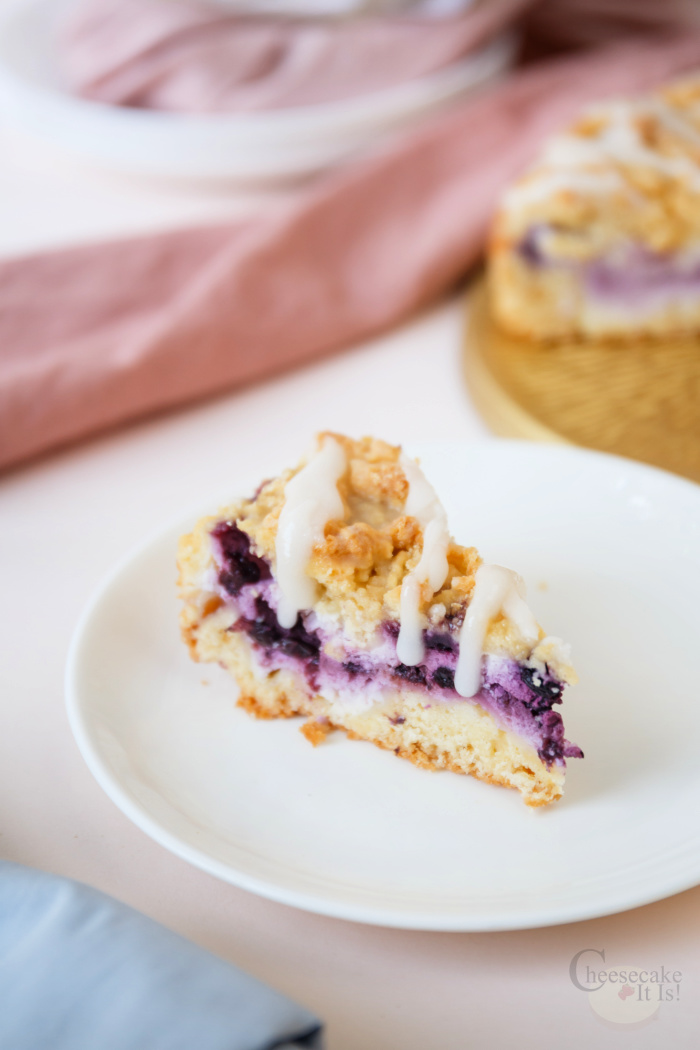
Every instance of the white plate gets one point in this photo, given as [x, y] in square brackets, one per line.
[610, 550]
[257, 146]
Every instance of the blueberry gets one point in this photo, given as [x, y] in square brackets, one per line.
[241, 566]
[352, 668]
[295, 647]
[542, 685]
[444, 677]
[239, 573]
[260, 632]
[442, 642]
[416, 675]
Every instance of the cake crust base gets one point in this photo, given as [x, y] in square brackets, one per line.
[455, 736]
[316, 732]
[553, 306]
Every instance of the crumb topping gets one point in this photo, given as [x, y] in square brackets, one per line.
[627, 169]
[365, 556]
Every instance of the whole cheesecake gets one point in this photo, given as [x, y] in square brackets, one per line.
[600, 239]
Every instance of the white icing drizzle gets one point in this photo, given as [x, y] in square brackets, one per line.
[567, 160]
[675, 120]
[618, 141]
[311, 499]
[544, 183]
[423, 504]
[497, 590]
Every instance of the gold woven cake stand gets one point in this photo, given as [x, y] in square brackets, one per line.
[640, 401]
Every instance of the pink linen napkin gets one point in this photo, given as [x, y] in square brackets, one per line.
[93, 336]
[191, 57]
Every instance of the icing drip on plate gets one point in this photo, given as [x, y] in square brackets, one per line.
[423, 504]
[311, 499]
[497, 590]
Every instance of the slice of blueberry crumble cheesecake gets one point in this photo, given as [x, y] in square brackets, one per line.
[601, 237]
[337, 593]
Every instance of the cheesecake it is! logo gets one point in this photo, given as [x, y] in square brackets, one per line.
[624, 996]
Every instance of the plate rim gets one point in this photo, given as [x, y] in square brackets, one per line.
[317, 903]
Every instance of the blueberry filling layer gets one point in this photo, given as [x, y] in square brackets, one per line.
[642, 275]
[631, 279]
[520, 697]
[296, 642]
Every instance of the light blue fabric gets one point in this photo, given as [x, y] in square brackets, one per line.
[80, 971]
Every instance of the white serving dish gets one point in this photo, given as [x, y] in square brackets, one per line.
[610, 551]
[280, 144]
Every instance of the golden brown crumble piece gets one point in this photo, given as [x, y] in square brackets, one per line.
[316, 730]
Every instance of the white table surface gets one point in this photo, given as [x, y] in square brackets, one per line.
[65, 519]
